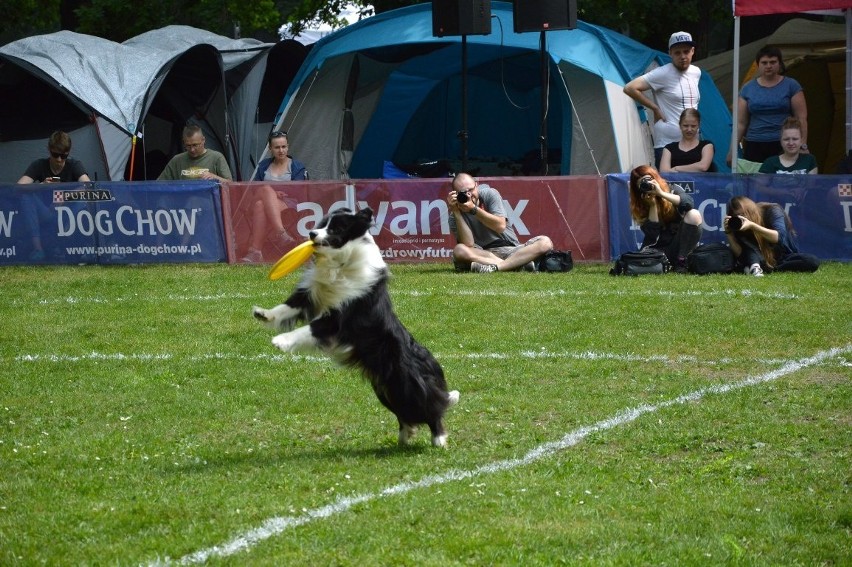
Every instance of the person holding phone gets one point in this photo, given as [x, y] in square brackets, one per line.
[58, 167]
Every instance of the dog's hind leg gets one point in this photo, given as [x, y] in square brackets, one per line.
[406, 432]
[439, 434]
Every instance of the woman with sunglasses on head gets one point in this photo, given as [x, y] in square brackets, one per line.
[58, 168]
[666, 215]
[270, 203]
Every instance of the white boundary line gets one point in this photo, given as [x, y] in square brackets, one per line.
[277, 525]
[263, 357]
[81, 300]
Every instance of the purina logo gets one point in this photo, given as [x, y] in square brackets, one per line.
[687, 186]
[82, 196]
[844, 189]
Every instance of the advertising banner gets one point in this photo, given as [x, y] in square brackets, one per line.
[111, 223]
[411, 215]
[818, 205]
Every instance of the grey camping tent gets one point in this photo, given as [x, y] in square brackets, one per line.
[103, 93]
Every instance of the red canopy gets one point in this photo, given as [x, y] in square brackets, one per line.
[761, 7]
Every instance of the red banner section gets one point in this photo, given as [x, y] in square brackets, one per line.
[411, 216]
[763, 7]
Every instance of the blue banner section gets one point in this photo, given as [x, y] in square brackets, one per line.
[820, 207]
[111, 223]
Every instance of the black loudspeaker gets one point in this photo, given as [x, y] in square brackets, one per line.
[461, 17]
[545, 15]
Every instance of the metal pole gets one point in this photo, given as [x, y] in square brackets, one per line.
[544, 91]
[735, 104]
[463, 133]
[848, 80]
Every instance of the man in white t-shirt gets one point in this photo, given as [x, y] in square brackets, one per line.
[674, 87]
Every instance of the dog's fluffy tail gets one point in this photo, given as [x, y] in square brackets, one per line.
[452, 398]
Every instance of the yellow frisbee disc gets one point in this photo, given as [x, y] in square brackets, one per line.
[292, 260]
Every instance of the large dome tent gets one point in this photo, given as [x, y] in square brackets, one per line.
[386, 89]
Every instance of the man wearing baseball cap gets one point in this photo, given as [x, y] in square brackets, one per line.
[673, 86]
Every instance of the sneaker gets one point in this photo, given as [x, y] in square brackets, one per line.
[284, 237]
[254, 256]
[754, 270]
[680, 265]
[482, 268]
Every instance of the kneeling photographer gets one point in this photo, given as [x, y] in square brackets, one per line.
[666, 215]
[485, 241]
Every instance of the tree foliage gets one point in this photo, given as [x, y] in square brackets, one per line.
[648, 21]
[27, 17]
[119, 20]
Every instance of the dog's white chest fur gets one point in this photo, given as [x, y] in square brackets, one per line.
[339, 276]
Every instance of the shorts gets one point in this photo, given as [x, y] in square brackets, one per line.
[501, 252]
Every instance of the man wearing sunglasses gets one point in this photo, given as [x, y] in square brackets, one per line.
[485, 241]
[58, 168]
[197, 162]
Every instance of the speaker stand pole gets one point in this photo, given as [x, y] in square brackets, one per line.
[544, 93]
[463, 133]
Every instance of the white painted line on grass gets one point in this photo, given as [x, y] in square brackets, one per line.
[273, 357]
[277, 525]
[254, 299]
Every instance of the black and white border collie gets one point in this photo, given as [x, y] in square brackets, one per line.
[343, 296]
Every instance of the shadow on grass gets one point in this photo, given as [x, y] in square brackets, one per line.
[274, 457]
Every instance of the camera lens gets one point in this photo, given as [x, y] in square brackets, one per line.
[462, 197]
[735, 223]
[645, 186]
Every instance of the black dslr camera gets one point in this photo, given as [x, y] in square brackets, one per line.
[645, 186]
[734, 223]
[462, 196]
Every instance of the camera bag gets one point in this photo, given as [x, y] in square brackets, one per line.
[640, 262]
[712, 258]
[555, 261]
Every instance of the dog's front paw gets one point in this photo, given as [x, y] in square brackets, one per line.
[285, 342]
[261, 314]
[279, 318]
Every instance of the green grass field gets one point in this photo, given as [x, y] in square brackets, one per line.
[146, 419]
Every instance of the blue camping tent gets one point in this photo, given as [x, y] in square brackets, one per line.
[385, 89]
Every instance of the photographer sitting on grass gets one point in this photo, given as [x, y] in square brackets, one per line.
[665, 215]
[485, 241]
[761, 236]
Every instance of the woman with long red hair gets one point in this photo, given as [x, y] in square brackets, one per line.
[666, 215]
